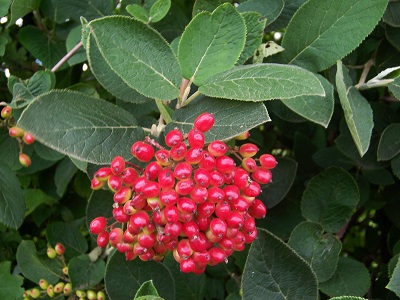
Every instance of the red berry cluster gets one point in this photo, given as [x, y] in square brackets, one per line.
[190, 199]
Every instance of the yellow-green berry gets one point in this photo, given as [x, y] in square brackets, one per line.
[34, 293]
[43, 284]
[91, 295]
[65, 270]
[80, 293]
[101, 295]
[6, 112]
[67, 289]
[51, 253]
[50, 291]
[58, 288]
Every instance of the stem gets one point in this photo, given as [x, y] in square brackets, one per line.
[368, 65]
[190, 99]
[66, 57]
[135, 166]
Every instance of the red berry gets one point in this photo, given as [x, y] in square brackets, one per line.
[28, 138]
[186, 205]
[262, 175]
[123, 195]
[140, 219]
[150, 190]
[243, 136]
[173, 230]
[169, 197]
[96, 184]
[232, 192]
[142, 151]
[257, 209]
[187, 266]
[183, 170]
[117, 165]
[248, 150]
[251, 236]
[171, 214]
[119, 215]
[268, 161]
[204, 122]
[98, 225]
[190, 229]
[199, 194]
[217, 148]
[215, 195]
[129, 237]
[240, 204]
[207, 162]
[201, 258]
[194, 155]
[129, 176]
[218, 227]
[103, 239]
[178, 152]
[217, 179]
[249, 164]
[252, 190]
[222, 210]
[173, 138]
[60, 249]
[202, 177]
[183, 249]
[199, 242]
[116, 235]
[224, 164]
[196, 138]
[184, 187]
[217, 255]
[152, 170]
[166, 179]
[124, 247]
[205, 209]
[6, 112]
[163, 157]
[234, 219]
[114, 183]
[24, 160]
[241, 178]
[139, 184]
[103, 174]
[147, 240]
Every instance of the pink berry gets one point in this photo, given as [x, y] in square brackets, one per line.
[103, 239]
[262, 175]
[117, 165]
[183, 170]
[16, 132]
[217, 148]
[24, 160]
[28, 138]
[98, 225]
[248, 150]
[6, 112]
[225, 164]
[257, 209]
[163, 157]
[173, 138]
[142, 151]
[204, 122]
[178, 152]
[268, 161]
[129, 176]
[196, 138]
[103, 174]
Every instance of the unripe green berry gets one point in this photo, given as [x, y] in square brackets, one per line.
[80, 293]
[59, 287]
[50, 291]
[51, 253]
[34, 293]
[67, 289]
[6, 112]
[101, 295]
[65, 270]
[43, 284]
[60, 249]
[24, 160]
[91, 295]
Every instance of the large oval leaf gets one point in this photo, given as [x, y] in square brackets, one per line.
[12, 202]
[269, 11]
[86, 128]
[262, 82]
[274, 271]
[334, 28]
[123, 278]
[211, 43]
[85, 273]
[330, 199]
[138, 55]
[389, 144]
[232, 117]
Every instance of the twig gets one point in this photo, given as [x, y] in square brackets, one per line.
[66, 57]
[368, 65]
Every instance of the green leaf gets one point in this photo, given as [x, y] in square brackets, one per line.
[47, 153]
[211, 43]
[74, 37]
[254, 34]
[12, 202]
[274, 271]
[65, 171]
[10, 285]
[47, 49]
[143, 56]
[107, 77]
[395, 165]
[123, 278]
[232, 117]
[394, 283]
[206, 5]
[4, 6]
[73, 241]
[21, 96]
[291, 6]
[283, 176]
[316, 109]
[98, 133]
[9, 150]
[191, 286]
[35, 267]
[391, 15]
[332, 157]
[320, 250]
[331, 35]
[351, 278]
[269, 11]
[4, 40]
[159, 10]
[389, 143]
[330, 199]
[394, 87]
[34, 198]
[75, 9]
[165, 111]
[138, 12]
[357, 111]
[147, 289]
[19, 8]
[263, 82]
[41, 82]
[85, 273]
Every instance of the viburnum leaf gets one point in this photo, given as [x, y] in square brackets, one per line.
[87, 128]
[10, 285]
[389, 143]
[85, 273]
[269, 11]
[211, 43]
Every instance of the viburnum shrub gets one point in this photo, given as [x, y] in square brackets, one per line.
[191, 199]
[139, 138]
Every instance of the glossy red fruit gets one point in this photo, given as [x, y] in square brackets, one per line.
[116, 236]
[183, 249]
[169, 197]
[196, 138]
[60, 249]
[257, 209]
[190, 229]
[241, 179]
[142, 151]
[194, 155]
[201, 258]
[222, 210]
[252, 190]
[240, 204]
[28, 138]
[183, 170]
[147, 240]
[103, 239]
[217, 255]
[188, 265]
[268, 161]
[166, 179]
[171, 214]
[98, 225]
[218, 227]
[173, 138]
[152, 170]
[199, 242]
[217, 178]
[199, 194]
[217, 148]
[207, 162]
[117, 165]
[114, 183]
[215, 195]
[103, 174]
[129, 176]
[234, 220]
[262, 175]
[249, 164]
[119, 215]
[178, 152]
[224, 164]
[96, 184]
[202, 177]
[150, 190]
[243, 136]
[184, 187]
[205, 209]
[248, 150]
[163, 157]
[232, 192]
[123, 195]
[204, 122]
[139, 220]
[173, 230]
[24, 160]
